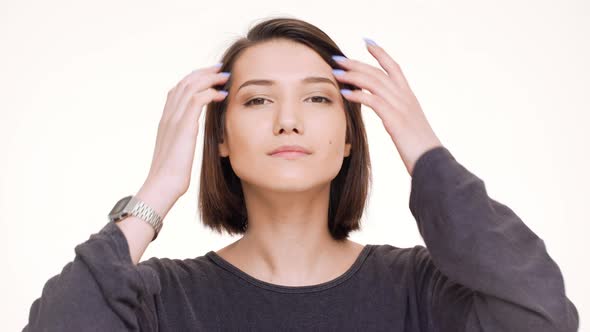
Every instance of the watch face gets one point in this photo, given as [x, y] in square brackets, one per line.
[120, 205]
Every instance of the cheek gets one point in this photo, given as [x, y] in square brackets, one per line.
[244, 130]
[331, 132]
[246, 145]
[333, 120]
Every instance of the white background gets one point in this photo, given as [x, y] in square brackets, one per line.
[505, 85]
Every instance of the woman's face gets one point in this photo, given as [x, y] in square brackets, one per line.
[285, 110]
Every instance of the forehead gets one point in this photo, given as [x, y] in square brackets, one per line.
[278, 59]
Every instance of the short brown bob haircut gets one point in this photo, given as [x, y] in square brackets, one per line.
[221, 199]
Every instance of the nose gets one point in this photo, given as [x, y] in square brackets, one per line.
[288, 119]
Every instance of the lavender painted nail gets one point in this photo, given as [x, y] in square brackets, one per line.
[338, 57]
[369, 41]
[337, 72]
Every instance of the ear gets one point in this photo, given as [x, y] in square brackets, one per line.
[223, 149]
[347, 148]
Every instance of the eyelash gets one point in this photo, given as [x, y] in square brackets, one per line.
[249, 102]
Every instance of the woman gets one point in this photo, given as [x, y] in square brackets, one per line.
[286, 165]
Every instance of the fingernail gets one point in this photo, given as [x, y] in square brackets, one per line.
[369, 41]
[223, 92]
[345, 91]
[218, 65]
[338, 58]
[225, 73]
[337, 71]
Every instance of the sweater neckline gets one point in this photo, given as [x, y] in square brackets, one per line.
[212, 255]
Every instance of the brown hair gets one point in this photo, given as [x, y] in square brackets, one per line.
[221, 200]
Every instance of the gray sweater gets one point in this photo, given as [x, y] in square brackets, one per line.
[482, 269]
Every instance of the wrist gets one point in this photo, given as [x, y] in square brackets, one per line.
[152, 195]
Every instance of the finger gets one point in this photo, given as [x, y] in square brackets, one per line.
[194, 109]
[354, 65]
[201, 83]
[368, 82]
[185, 124]
[389, 65]
[196, 75]
[351, 64]
[210, 69]
[204, 96]
[179, 87]
[170, 106]
[173, 94]
[378, 104]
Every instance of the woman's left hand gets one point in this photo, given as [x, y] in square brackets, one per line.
[392, 99]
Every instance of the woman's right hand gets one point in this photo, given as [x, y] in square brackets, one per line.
[173, 157]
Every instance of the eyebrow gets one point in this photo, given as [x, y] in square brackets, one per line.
[307, 80]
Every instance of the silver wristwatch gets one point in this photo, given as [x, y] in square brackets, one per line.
[131, 205]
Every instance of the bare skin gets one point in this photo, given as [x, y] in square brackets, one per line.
[287, 241]
[329, 265]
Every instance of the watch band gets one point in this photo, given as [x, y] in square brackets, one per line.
[145, 212]
[131, 205]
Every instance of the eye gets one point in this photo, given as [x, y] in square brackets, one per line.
[327, 101]
[254, 101]
[249, 102]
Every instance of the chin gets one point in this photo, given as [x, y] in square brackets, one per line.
[289, 184]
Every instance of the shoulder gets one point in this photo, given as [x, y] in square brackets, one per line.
[398, 258]
[175, 270]
[391, 252]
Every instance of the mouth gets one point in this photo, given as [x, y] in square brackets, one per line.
[290, 151]
[290, 154]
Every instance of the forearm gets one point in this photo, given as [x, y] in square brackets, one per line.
[99, 288]
[72, 301]
[139, 233]
[483, 245]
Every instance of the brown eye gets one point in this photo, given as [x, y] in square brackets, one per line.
[327, 101]
[250, 102]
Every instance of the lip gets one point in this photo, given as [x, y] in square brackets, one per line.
[290, 155]
[290, 150]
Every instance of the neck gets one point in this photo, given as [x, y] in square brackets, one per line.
[287, 239]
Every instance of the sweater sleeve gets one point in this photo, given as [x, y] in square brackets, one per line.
[100, 290]
[483, 268]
